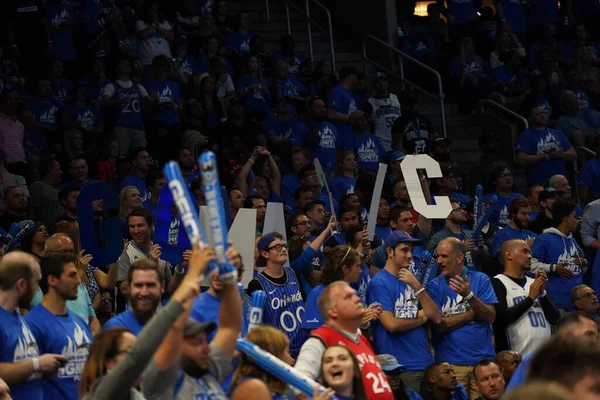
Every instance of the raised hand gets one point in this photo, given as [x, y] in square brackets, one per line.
[460, 285]
[155, 252]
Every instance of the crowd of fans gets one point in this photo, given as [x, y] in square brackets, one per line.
[109, 91]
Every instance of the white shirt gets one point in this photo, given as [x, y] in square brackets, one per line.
[155, 44]
[109, 89]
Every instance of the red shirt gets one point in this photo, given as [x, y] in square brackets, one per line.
[374, 380]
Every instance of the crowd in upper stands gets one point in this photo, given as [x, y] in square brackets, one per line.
[97, 95]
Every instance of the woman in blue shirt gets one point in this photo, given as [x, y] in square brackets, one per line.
[253, 91]
[345, 175]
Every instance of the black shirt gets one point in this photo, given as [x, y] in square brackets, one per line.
[416, 134]
[540, 223]
[6, 220]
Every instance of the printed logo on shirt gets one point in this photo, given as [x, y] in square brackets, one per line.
[26, 348]
[86, 120]
[503, 217]
[174, 231]
[368, 152]
[166, 96]
[362, 288]
[327, 138]
[61, 94]
[407, 306]
[47, 116]
[455, 306]
[548, 144]
[77, 351]
[186, 67]
[567, 256]
[245, 46]
[276, 302]
[60, 18]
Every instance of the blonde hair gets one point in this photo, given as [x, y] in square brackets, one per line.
[271, 340]
[123, 209]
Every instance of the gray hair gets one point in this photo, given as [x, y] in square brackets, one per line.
[52, 241]
[554, 179]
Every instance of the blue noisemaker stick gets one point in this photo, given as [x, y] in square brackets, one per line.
[423, 265]
[25, 226]
[187, 208]
[484, 217]
[214, 204]
[256, 310]
[12, 232]
[245, 306]
[430, 269]
[275, 366]
[478, 204]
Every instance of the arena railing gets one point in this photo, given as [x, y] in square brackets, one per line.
[310, 23]
[402, 57]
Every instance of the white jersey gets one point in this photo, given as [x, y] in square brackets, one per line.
[385, 112]
[532, 329]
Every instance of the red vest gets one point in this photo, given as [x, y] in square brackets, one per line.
[374, 380]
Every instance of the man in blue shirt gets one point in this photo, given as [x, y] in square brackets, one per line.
[443, 383]
[467, 301]
[519, 213]
[141, 164]
[155, 180]
[589, 177]
[543, 151]
[146, 286]
[342, 101]
[366, 146]
[400, 330]
[21, 365]
[58, 330]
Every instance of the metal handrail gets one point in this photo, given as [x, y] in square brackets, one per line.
[508, 111]
[309, 23]
[403, 56]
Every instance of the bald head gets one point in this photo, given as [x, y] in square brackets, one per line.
[509, 361]
[59, 243]
[17, 265]
[515, 256]
[456, 245]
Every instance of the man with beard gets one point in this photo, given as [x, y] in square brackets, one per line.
[546, 199]
[141, 247]
[21, 365]
[258, 204]
[519, 212]
[524, 311]
[454, 228]
[203, 366]
[16, 207]
[57, 330]
[186, 164]
[490, 380]
[585, 300]
[68, 199]
[141, 164]
[443, 384]
[146, 286]
[155, 180]
[320, 137]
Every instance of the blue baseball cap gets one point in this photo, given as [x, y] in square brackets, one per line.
[265, 241]
[394, 156]
[389, 363]
[379, 75]
[398, 237]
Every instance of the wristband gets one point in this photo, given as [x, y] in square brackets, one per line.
[36, 364]
[418, 292]
[469, 296]
[179, 270]
[552, 267]
[543, 294]
[251, 160]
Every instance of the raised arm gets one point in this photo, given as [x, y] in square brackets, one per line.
[424, 223]
[242, 179]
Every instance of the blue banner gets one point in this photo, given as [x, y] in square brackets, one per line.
[169, 232]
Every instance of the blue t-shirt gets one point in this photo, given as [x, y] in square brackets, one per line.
[168, 92]
[590, 176]
[326, 150]
[67, 335]
[189, 65]
[17, 344]
[134, 180]
[514, 12]
[239, 42]
[289, 184]
[290, 87]
[152, 207]
[341, 186]
[284, 130]
[256, 99]
[44, 111]
[126, 319]
[534, 142]
[469, 343]
[499, 214]
[312, 318]
[518, 377]
[58, 13]
[345, 102]
[368, 150]
[508, 233]
[411, 348]
[382, 232]
[87, 117]
[554, 248]
[62, 89]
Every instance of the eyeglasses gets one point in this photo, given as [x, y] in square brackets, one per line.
[589, 295]
[304, 223]
[278, 247]
[508, 175]
[459, 209]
